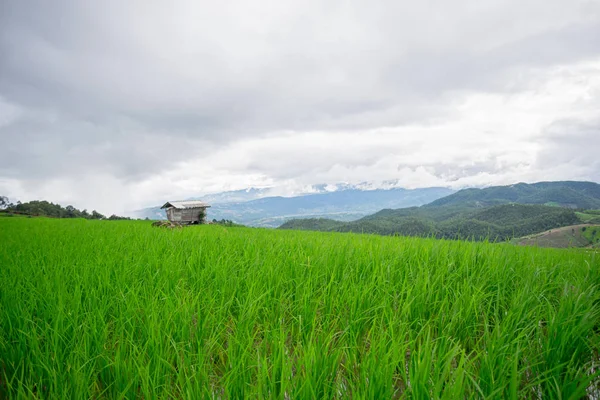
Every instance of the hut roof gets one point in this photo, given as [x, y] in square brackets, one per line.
[185, 204]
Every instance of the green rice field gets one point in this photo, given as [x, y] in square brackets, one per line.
[119, 309]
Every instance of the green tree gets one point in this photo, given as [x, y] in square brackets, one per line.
[97, 215]
[4, 203]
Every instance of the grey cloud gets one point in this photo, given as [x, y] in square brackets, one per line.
[125, 80]
[450, 172]
[39, 146]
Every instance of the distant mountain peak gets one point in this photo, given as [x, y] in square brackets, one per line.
[266, 207]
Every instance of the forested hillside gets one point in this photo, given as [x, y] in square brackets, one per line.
[501, 222]
[582, 195]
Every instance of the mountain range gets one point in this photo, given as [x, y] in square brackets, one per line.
[495, 213]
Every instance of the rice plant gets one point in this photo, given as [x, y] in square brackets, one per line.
[118, 309]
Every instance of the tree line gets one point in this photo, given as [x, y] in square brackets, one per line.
[43, 208]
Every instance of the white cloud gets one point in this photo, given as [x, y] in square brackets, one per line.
[493, 139]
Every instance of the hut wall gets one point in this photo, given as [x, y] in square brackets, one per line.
[188, 215]
[174, 215]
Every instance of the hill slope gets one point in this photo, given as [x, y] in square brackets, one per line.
[584, 235]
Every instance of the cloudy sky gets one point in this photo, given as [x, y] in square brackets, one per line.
[115, 105]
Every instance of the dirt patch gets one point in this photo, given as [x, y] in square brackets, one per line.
[564, 237]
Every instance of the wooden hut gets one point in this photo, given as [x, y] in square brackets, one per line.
[186, 212]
